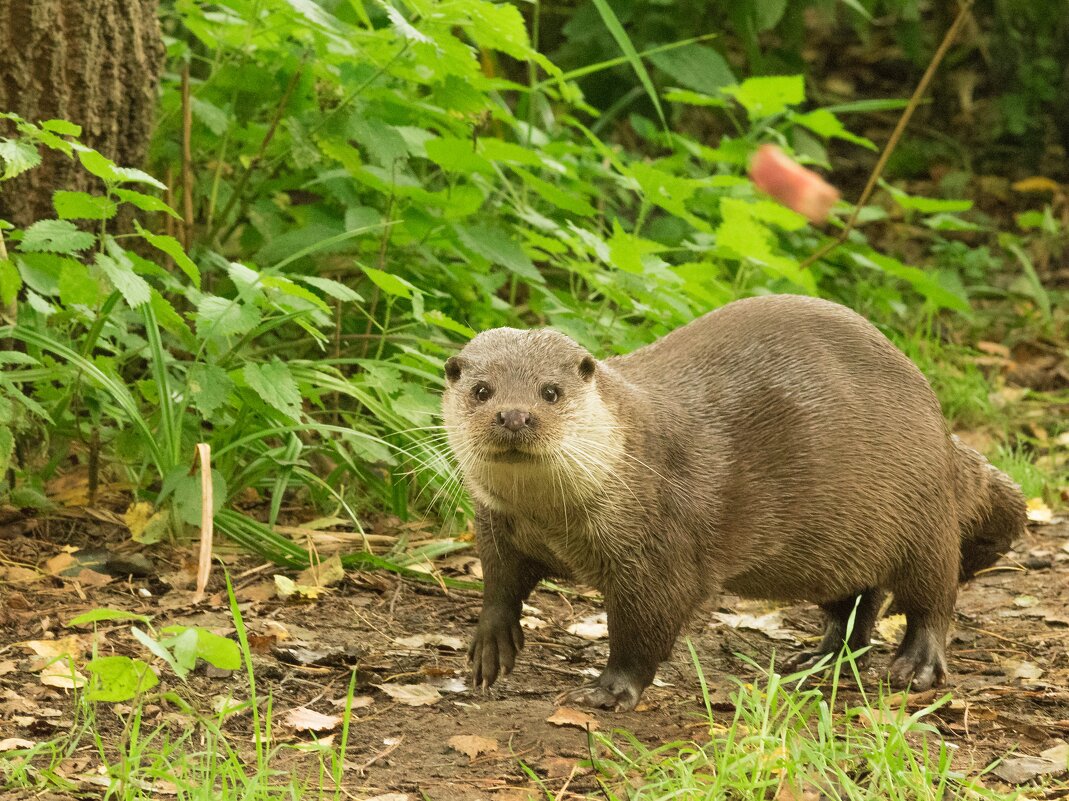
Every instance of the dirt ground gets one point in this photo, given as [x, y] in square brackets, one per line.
[1008, 660]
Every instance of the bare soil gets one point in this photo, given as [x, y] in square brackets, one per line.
[1008, 660]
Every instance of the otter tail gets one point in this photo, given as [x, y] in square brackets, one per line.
[992, 510]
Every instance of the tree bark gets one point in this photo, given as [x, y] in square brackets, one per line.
[93, 62]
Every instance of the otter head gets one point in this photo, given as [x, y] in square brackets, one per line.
[526, 420]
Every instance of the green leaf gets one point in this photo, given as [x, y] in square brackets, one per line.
[329, 286]
[924, 284]
[144, 202]
[103, 615]
[765, 96]
[55, 236]
[626, 250]
[186, 502]
[276, 386]
[209, 387]
[100, 166]
[62, 127]
[562, 199]
[184, 648]
[768, 13]
[131, 175]
[457, 155]
[198, 643]
[927, 205]
[77, 286]
[7, 449]
[18, 156]
[383, 143]
[693, 98]
[612, 22]
[82, 206]
[696, 67]
[668, 191]
[510, 152]
[442, 320]
[120, 272]
[10, 282]
[171, 321]
[826, 124]
[119, 678]
[158, 650]
[497, 248]
[214, 118]
[389, 283]
[173, 248]
[223, 317]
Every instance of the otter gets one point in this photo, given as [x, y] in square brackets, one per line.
[779, 447]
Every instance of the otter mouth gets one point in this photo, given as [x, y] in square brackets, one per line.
[511, 456]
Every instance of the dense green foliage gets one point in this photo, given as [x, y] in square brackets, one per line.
[369, 187]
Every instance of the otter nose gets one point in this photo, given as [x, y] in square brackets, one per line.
[513, 419]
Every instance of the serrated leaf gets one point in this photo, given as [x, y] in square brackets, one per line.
[288, 287]
[173, 248]
[497, 248]
[99, 165]
[82, 206]
[119, 678]
[144, 202]
[442, 320]
[329, 286]
[389, 283]
[209, 387]
[62, 127]
[223, 317]
[77, 286]
[929, 205]
[55, 236]
[276, 386]
[18, 156]
[382, 142]
[823, 122]
[626, 250]
[214, 118]
[136, 176]
[562, 199]
[170, 320]
[767, 95]
[134, 289]
[105, 615]
[186, 501]
[510, 152]
[695, 66]
[10, 282]
[457, 155]
[7, 449]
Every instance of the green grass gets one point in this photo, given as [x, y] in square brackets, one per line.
[788, 739]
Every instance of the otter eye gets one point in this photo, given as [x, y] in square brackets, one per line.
[550, 393]
[482, 393]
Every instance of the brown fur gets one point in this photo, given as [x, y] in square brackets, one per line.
[780, 447]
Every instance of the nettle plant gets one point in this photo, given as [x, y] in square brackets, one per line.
[372, 187]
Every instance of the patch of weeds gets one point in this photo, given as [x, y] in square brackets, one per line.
[203, 758]
[789, 739]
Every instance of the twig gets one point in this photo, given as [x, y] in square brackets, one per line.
[255, 160]
[896, 134]
[204, 564]
[187, 160]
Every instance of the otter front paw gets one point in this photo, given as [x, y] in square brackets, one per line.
[611, 690]
[493, 650]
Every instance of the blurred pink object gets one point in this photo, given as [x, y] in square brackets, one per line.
[796, 187]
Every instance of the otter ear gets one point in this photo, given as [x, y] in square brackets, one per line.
[587, 367]
[453, 366]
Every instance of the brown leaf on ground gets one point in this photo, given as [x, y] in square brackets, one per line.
[304, 719]
[15, 743]
[412, 694]
[472, 745]
[566, 716]
[592, 627]
[324, 574]
[433, 640]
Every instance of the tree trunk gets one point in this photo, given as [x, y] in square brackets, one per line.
[93, 62]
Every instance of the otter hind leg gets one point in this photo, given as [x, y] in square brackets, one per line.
[927, 598]
[837, 614]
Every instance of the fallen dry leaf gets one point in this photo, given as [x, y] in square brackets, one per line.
[412, 694]
[432, 640]
[472, 745]
[62, 674]
[14, 743]
[1038, 511]
[323, 574]
[359, 702]
[891, 627]
[287, 588]
[592, 627]
[566, 716]
[60, 562]
[73, 646]
[769, 624]
[304, 719]
[7, 666]
[532, 622]
[390, 797]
